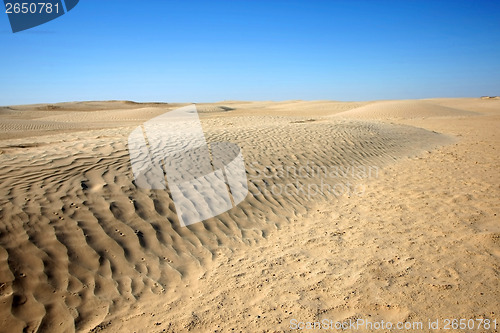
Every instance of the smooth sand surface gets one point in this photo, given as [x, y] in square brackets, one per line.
[402, 226]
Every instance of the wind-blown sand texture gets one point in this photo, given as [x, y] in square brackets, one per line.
[417, 237]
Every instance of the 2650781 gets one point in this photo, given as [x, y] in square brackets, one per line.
[470, 324]
[31, 8]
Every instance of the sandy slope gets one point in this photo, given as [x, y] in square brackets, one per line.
[82, 249]
[407, 109]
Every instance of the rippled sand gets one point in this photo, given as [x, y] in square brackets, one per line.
[403, 227]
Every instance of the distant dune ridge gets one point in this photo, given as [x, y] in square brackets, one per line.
[404, 110]
[83, 249]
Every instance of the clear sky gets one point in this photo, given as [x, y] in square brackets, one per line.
[195, 51]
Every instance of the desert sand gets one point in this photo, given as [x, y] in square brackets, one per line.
[403, 227]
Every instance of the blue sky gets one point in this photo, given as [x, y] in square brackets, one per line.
[195, 51]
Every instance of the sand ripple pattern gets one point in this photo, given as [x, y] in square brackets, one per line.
[78, 239]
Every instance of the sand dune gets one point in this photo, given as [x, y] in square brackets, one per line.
[404, 217]
[403, 110]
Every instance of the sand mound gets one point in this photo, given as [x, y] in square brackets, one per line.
[403, 110]
[293, 108]
[80, 243]
[82, 248]
[33, 121]
[484, 106]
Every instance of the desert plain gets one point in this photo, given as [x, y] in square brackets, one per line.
[391, 213]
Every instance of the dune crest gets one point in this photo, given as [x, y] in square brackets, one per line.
[403, 110]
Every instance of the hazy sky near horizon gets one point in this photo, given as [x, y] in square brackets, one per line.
[195, 51]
